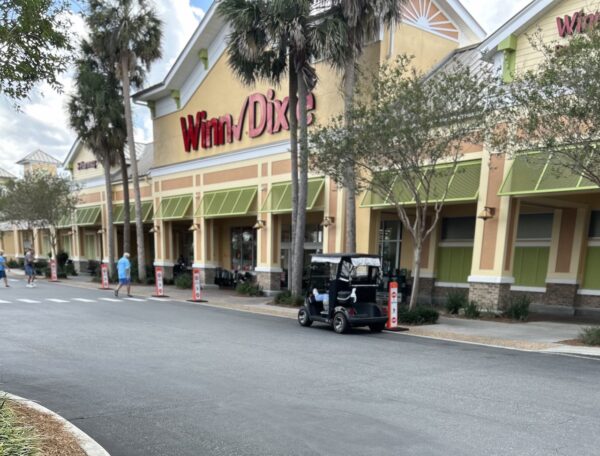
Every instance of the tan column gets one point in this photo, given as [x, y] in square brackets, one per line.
[333, 231]
[491, 271]
[17, 243]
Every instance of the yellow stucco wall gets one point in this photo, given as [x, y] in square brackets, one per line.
[545, 28]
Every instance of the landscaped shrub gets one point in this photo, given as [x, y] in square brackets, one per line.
[184, 281]
[15, 438]
[69, 269]
[286, 298]
[518, 308]
[62, 258]
[41, 266]
[419, 316]
[12, 264]
[456, 300]
[93, 267]
[248, 289]
[472, 310]
[590, 336]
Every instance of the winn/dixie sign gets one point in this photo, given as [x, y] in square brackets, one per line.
[260, 114]
[579, 22]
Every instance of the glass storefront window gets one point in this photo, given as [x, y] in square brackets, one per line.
[390, 241]
[313, 243]
[243, 249]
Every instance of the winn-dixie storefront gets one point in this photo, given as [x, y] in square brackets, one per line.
[221, 174]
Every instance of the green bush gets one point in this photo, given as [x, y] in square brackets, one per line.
[70, 269]
[248, 289]
[184, 281]
[472, 310]
[15, 438]
[590, 336]
[62, 258]
[518, 308]
[286, 298]
[12, 264]
[456, 300]
[418, 316]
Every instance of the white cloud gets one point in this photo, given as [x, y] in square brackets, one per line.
[43, 123]
[492, 14]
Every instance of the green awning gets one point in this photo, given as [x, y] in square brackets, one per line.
[461, 180]
[175, 208]
[539, 173]
[119, 212]
[279, 199]
[66, 221]
[88, 216]
[228, 203]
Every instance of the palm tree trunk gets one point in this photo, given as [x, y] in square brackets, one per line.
[349, 174]
[139, 227]
[298, 267]
[110, 231]
[293, 105]
[126, 204]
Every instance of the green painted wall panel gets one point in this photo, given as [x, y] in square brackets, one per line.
[454, 264]
[531, 266]
[591, 278]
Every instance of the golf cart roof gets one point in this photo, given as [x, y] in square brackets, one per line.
[356, 259]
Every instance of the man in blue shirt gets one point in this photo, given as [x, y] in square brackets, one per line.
[3, 269]
[124, 270]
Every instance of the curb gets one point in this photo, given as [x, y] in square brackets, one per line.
[89, 446]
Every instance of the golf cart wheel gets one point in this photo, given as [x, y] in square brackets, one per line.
[377, 327]
[303, 318]
[340, 323]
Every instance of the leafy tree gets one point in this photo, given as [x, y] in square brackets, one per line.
[271, 39]
[96, 114]
[34, 44]
[361, 20]
[38, 201]
[128, 34]
[556, 107]
[407, 126]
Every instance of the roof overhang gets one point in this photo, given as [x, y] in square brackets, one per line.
[461, 16]
[208, 29]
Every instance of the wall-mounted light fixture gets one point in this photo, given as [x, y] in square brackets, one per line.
[194, 227]
[101, 231]
[155, 229]
[487, 213]
[260, 224]
[327, 222]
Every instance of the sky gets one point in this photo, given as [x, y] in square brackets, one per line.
[42, 122]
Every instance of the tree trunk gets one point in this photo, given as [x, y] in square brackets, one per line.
[414, 295]
[300, 221]
[126, 204]
[292, 110]
[110, 230]
[349, 174]
[139, 227]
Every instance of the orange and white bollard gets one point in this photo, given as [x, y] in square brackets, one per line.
[392, 322]
[53, 271]
[159, 280]
[196, 286]
[104, 276]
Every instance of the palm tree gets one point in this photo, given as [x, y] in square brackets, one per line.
[271, 39]
[96, 114]
[128, 33]
[362, 19]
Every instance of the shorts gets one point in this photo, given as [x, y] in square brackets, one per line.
[125, 281]
[2, 274]
[28, 270]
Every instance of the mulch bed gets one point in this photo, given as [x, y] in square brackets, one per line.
[54, 440]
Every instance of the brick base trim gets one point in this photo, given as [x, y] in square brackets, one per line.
[490, 296]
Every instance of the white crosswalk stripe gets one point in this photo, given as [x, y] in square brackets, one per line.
[158, 299]
[29, 301]
[110, 299]
[4, 302]
[136, 299]
[83, 300]
[56, 300]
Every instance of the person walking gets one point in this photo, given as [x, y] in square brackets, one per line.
[3, 268]
[124, 271]
[29, 269]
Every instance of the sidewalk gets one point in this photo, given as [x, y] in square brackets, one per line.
[538, 336]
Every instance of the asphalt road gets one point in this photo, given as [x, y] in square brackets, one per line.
[165, 378]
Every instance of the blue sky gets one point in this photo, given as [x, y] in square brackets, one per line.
[42, 122]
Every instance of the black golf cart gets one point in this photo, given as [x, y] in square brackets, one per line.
[343, 292]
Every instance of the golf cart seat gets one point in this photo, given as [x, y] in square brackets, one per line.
[346, 297]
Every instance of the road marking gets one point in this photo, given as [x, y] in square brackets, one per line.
[135, 299]
[158, 299]
[29, 301]
[83, 300]
[13, 280]
[110, 299]
[56, 300]
[4, 302]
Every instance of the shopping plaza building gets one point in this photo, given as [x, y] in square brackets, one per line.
[216, 181]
